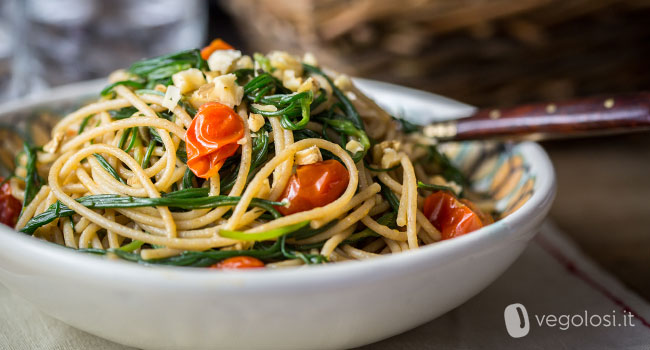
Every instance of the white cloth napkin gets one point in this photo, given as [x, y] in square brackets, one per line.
[551, 278]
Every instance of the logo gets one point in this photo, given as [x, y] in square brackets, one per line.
[517, 323]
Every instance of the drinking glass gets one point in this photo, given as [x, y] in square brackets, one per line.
[63, 41]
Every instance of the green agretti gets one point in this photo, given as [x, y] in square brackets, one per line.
[265, 251]
[33, 181]
[190, 198]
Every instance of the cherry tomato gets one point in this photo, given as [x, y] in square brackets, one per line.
[449, 215]
[212, 138]
[314, 185]
[10, 207]
[486, 219]
[216, 44]
[238, 262]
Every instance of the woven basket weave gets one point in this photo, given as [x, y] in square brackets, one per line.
[495, 52]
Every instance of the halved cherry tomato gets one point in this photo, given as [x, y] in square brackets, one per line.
[449, 215]
[216, 44]
[238, 262]
[212, 137]
[10, 207]
[314, 185]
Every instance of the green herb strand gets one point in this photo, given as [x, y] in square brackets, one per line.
[262, 236]
[133, 245]
[33, 181]
[83, 124]
[388, 194]
[186, 199]
[158, 70]
[134, 84]
[134, 137]
[263, 61]
[187, 178]
[431, 187]
[348, 129]
[387, 219]
[122, 113]
[123, 138]
[348, 107]
[109, 169]
[147, 155]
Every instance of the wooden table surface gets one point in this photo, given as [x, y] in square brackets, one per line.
[603, 202]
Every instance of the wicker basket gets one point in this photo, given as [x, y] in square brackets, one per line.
[486, 52]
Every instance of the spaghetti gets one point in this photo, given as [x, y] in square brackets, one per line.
[211, 157]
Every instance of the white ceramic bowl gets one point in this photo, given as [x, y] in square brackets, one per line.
[333, 306]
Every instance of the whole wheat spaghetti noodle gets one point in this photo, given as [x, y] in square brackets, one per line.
[197, 158]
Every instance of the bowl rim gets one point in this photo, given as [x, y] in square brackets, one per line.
[519, 225]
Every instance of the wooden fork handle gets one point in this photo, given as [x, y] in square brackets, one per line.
[595, 115]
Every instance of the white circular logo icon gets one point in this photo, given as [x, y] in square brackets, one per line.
[516, 318]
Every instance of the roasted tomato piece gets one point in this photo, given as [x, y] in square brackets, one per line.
[216, 44]
[239, 262]
[10, 207]
[314, 185]
[212, 138]
[450, 216]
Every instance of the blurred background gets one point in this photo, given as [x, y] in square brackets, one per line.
[490, 53]
[487, 53]
[44, 43]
